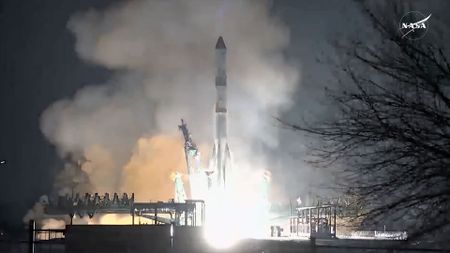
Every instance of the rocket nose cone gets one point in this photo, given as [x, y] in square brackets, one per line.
[220, 43]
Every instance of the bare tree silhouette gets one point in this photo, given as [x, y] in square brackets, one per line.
[391, 136]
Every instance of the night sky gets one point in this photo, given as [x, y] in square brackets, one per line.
[38, 66]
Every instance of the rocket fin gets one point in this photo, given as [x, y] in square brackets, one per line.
[212, 162]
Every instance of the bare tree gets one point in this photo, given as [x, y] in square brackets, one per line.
[391, 135]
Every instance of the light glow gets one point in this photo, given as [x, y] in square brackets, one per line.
[239, 212]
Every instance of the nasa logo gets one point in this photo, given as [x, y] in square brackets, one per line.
[413, 25]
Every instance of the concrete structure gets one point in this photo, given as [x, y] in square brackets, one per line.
[159, 238]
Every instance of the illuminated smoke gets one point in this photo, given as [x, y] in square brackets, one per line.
[163, 55]
[147, 174]
[37, 211]
[53, 224]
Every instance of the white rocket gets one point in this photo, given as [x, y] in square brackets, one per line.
[221, 159]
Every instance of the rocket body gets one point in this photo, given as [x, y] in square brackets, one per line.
[221, 153]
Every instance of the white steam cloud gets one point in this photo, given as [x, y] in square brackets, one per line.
[163, 56]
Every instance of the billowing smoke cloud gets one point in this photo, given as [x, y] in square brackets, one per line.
[147, 174]
[163, 56]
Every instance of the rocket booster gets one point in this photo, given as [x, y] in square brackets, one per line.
[221, 152]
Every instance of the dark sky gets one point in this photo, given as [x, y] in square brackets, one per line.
[38, 65]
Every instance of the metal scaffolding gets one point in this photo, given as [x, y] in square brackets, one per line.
[188, 213]
[314, 222]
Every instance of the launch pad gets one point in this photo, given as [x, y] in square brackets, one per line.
[182, 224]
[188, 213]
[184, 215]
